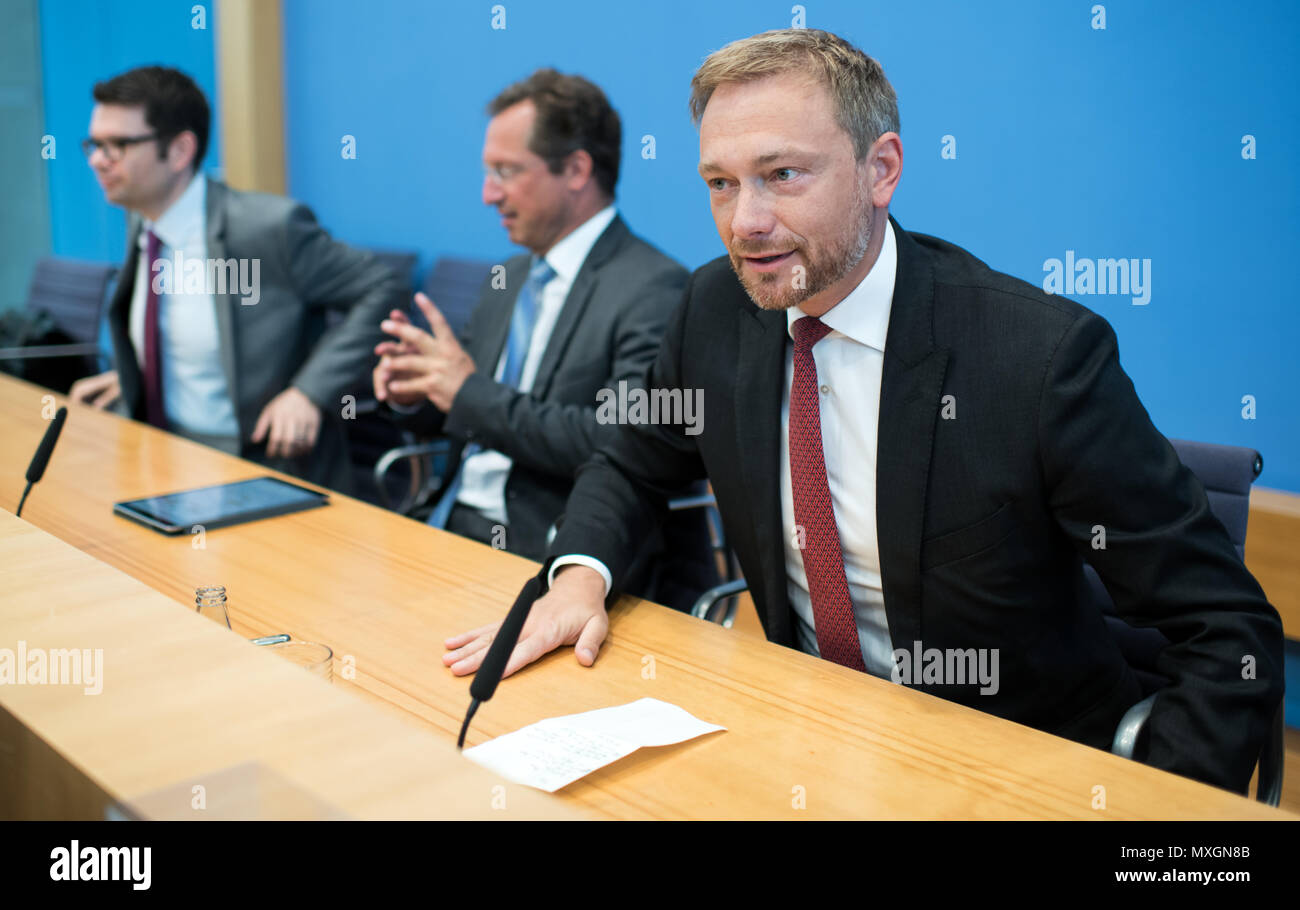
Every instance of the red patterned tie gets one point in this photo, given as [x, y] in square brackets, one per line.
[153, 401]
[823, 560]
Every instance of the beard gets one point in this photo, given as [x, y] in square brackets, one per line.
[823, 266]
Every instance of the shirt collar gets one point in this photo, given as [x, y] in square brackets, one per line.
[183, 221]
[567, 256]
[864, 314]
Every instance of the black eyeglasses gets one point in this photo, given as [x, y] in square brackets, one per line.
[115, 146]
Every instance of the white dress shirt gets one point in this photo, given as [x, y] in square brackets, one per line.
[849, 366]
[483, 483]
[195, 394]
[850, 361]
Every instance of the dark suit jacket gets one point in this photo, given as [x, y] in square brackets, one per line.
[281, 340]
[608, 331]
[984, 519]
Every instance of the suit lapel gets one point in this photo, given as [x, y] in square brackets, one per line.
[119, 308]
[760, 377]
[496, 327]
[910, 388]
[225, 304]
[119, 316]
[575, 304]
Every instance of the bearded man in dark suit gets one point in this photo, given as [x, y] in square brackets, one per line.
[910, 450]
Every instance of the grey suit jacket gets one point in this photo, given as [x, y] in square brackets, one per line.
[609, 330]
[281, 340]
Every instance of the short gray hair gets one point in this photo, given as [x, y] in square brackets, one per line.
[865, 104]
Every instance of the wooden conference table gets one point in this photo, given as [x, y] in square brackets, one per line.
[805, 738]
[143, 710]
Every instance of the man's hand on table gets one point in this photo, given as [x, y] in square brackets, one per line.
[571, 613]
[289, 423]
[98, 391]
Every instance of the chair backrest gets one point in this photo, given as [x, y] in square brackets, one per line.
[1226, 472]
[402, 262]
[453, 284]
[72, 291]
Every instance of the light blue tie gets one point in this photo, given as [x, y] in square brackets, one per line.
[522, 322]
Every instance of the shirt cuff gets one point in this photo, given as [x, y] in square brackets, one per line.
[575, 559]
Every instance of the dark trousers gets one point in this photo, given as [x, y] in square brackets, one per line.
[473, 524]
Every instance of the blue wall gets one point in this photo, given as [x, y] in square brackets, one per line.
[1123, 142]
[84, 42]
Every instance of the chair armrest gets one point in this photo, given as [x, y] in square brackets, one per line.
[1130, 725]
[710, 598]
[1271, 759]
[1269, 786]
[415, 453]
[366, 406]
[717, 535]
[699, 501]
[42, 351]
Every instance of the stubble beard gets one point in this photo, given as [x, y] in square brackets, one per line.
[776, 291]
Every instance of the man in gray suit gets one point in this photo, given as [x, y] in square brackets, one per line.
[219, 320]
[552, 331]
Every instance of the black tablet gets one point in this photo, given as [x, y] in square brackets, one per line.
[220, 505]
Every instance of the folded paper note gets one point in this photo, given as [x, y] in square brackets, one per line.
[555, 752]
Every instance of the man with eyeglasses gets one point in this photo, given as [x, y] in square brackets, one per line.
[218, 321]
[583, 312]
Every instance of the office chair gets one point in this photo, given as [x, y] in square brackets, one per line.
[453, 284]
[702, 498]
[369, 435]
[402, 263]
[71, 294]
[1226, 472]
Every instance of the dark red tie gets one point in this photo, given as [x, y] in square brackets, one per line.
[153, 400]
[823, 560]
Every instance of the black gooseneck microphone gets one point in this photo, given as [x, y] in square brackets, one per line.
[498, 655]
[36, 469]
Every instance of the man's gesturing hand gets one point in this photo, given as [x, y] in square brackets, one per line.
[384, 374]
[571, 613]
[435, 366]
